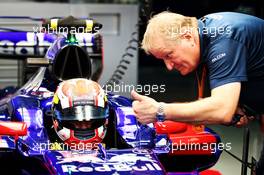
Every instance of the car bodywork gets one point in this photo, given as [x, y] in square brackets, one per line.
[26, 129]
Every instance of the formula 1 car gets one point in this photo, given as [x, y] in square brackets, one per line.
[29, 141]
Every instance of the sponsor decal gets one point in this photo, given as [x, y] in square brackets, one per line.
[23, 47]
[218, 57]
[115, 162]
[109, 168]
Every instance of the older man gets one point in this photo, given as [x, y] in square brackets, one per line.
[229, 45]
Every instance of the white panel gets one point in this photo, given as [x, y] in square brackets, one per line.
[110, 21]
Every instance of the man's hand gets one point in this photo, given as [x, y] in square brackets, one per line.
[144, 107]
[244, 119]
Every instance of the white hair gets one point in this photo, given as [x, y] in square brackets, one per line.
[167, 25]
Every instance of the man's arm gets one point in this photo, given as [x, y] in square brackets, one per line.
[219, 108]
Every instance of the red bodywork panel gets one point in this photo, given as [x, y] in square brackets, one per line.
[210, 172]
[187, 139]
[168, 127]
[13, 128]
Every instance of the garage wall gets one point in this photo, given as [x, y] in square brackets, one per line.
[8, 73]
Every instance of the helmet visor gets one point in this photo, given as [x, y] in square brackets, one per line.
[82, 113]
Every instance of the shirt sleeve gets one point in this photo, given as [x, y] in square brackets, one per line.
[226, 61]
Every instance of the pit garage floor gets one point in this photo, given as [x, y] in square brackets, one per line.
[227, 165]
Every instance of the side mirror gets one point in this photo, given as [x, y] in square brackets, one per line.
[14, 129]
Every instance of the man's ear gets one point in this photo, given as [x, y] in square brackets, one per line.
[187, 34]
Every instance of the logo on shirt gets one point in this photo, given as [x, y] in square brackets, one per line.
[218, 57]
[215, 16]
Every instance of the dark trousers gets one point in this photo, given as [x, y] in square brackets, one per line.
[260, 163]
[252, 95]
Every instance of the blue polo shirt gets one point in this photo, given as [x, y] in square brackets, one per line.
[232, 47]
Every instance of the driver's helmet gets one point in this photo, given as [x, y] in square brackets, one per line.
[80, 111]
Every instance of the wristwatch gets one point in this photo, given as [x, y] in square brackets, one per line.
[160, 113]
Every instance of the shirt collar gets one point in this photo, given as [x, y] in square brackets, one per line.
[203, 39]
